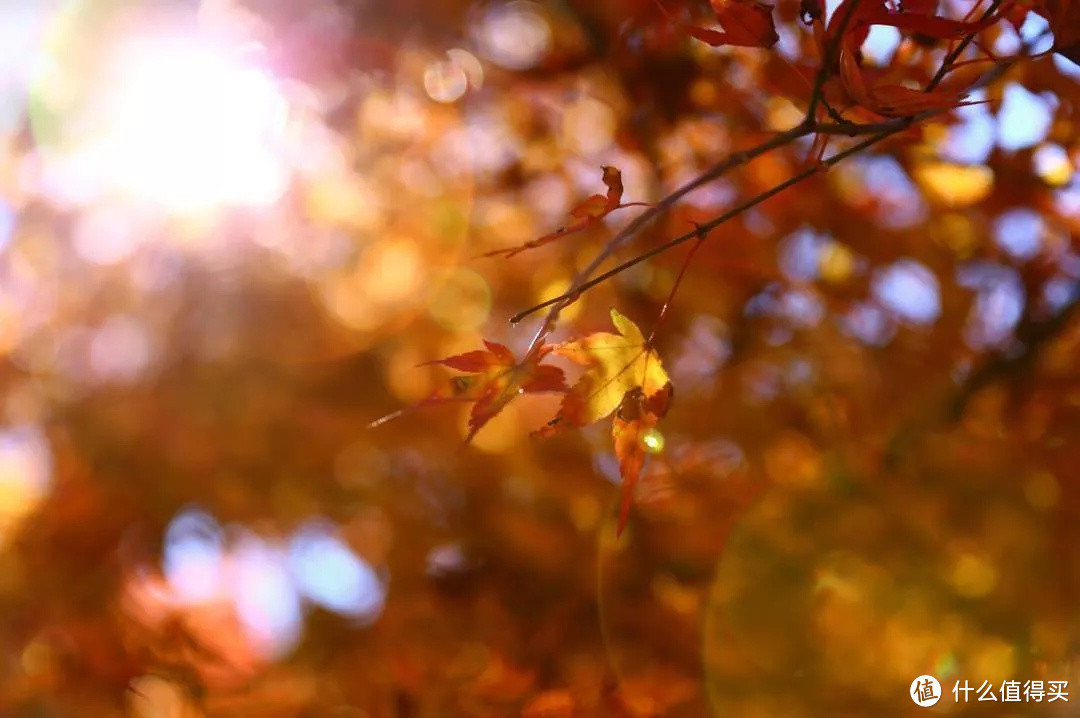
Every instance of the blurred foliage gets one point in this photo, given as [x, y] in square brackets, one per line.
[235, 233]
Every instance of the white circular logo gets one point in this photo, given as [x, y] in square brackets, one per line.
[925, 691]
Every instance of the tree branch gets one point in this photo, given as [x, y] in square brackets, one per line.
[950, 59]
[583, 281]
[639, 222]
[578, 289]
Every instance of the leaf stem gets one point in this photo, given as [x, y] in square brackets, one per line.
[675, 287]
[947, 63]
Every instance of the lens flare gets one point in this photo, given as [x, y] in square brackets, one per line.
[186, 127]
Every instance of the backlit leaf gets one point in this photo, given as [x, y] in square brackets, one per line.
[623, 376]
[617, 364]
[629, 429]
[745, 23]
[587, 214]
[500, 378]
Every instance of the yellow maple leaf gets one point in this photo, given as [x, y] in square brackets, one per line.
[617, 364]
[624, 377]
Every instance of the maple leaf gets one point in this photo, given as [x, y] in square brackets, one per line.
[913, 16]
[745, 23]
[1064, 19]
[624, 377]
[587, 214]
[940, 28]
[890, 100]
[499, 378]
[630, 428]
[616, 364]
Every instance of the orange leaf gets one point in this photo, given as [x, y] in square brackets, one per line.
[745, 23]
[930, 25]
[900, 101]
[892, 100]
[479, 361]
[613, 181]
[588, 213]
[851, 75]
[616, 364]
[623, 376]
[913, 16]
[629, 427]
[500, 379]
[594, 206]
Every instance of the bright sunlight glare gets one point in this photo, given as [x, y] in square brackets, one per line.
[189, 127]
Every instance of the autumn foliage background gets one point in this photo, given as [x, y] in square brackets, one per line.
[269, 445]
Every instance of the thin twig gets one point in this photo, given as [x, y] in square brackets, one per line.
[947, 63]
[639, 222]
[851, 129]
[706, 177]
[675, 287]
[710, 225]
[877, 131]
[833, 113]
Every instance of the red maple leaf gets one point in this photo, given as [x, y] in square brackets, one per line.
[745, 23]
[498, 378]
